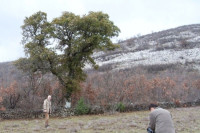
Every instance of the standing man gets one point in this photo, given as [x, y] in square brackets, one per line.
[160, 120]
[47, 110]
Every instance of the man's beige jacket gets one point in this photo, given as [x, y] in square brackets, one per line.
[47, 106]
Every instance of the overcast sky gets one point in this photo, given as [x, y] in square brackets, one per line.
[131, 16]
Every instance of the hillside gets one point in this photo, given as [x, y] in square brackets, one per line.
[178, 46]
[159, 67]
[8, 73]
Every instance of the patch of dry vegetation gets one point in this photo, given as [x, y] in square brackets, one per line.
[186, 120]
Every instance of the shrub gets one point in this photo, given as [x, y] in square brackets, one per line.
[120, 107]
[142, 47]
[160, 48]
[184, 43]
[159, 67]
[81, 108]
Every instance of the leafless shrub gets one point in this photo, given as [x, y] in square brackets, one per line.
[142, 47]
[166, 47]
[184, 43]
[105, 68]
[131, 42]
[159, 67]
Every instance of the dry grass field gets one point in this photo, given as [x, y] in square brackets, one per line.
[186, 120]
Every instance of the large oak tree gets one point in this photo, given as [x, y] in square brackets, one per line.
[65, 45]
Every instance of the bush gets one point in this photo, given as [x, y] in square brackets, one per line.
[120, 107]
[159, 67]
[142, 47]
[81, 108]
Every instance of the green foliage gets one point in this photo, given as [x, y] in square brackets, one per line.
[81, 108]
[120, 107]
[76, 38]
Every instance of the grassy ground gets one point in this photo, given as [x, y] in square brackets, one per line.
[186, 120]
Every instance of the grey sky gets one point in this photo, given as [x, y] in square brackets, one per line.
[131, 16]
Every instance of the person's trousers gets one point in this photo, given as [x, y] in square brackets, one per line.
[46, 118]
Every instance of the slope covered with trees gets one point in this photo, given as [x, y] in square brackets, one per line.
[112, 87]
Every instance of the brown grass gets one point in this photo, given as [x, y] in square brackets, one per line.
[186, 120]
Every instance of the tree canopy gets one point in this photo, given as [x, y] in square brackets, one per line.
[64, 45]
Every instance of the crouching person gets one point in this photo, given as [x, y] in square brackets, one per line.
[160, 120]
[47, 110]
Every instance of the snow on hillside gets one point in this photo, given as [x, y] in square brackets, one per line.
[147, 57]
[157, 48]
